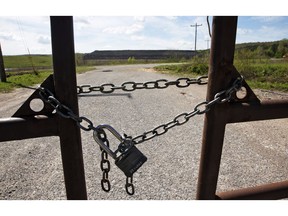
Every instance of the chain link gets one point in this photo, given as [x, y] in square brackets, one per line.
[183, 118]
[132, 86]
[129, 185]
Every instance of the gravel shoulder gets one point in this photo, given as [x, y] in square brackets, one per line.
[254, 153]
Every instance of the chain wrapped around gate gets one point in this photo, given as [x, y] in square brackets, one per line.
[127, 157]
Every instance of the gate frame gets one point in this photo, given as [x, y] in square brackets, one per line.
[28, 126]
[250, 108]
[221, 73]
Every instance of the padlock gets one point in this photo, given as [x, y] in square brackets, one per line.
[130, 161]
[127, 157]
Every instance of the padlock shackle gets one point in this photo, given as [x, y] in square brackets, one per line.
[101, 143]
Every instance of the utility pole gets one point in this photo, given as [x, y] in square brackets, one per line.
[196, 25]
[2, 68]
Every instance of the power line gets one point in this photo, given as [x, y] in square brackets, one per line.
[196, 25]
[25, 44]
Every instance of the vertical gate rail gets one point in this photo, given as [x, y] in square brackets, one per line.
[2, 68]
[27, 125]
[221, 73]
[250, 108]
[66, 91]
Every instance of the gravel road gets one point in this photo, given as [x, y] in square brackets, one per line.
[254, 153]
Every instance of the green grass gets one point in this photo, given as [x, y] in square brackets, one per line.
[31, 79]
[269, 75]
[263, 75]
[22, 61]
[23, 80]
[185, 69]
[25, 77]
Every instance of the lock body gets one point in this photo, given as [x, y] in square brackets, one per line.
[130, 161]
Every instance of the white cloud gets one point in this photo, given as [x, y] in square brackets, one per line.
[244, 31]
[137, 37]
[267, 19]
[9, 36]
[124, 29]
[44, 39]
[183, 44]
[81, 20]
[139, 18]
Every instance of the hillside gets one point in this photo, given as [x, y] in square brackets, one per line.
[254, 50]
[139, 54]
[274, 49]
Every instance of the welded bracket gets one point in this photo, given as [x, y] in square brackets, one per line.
[26, 111]
[232, 74]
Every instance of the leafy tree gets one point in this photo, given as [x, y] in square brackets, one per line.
[282, 49]
[260, 52]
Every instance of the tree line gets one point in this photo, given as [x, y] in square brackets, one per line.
[262, 50]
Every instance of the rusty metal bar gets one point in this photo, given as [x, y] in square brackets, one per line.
[221, 57]
[278, 190]
[265, 110]
[65, 87]
[25, 128]
[2, 67]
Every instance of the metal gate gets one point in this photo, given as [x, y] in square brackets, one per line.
[221, 74]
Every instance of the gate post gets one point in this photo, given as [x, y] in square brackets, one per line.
[2, 68]
[65, 87]
[221, 57]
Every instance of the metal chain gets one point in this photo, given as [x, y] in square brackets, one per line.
[64, 111]
[105, 183]
[132, 86]
[129, 185]
[87, 125]
[183, 118]
[201, 108]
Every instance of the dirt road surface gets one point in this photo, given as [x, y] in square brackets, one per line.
[254, 153]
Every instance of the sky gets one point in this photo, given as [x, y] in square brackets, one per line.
[25, 33]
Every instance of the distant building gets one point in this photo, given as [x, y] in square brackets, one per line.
[138, 54]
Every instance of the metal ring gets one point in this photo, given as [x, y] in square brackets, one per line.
[204, 110]
[102, 165]
[107, 91]
[107, 182]
[145, 138]
[200, 81]
[129, 185]
[155, 130]
[146, 85]
[128, 83]
[90, 124]
[176, 119]
[82, 90]
[164, 81]
[182, 86]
